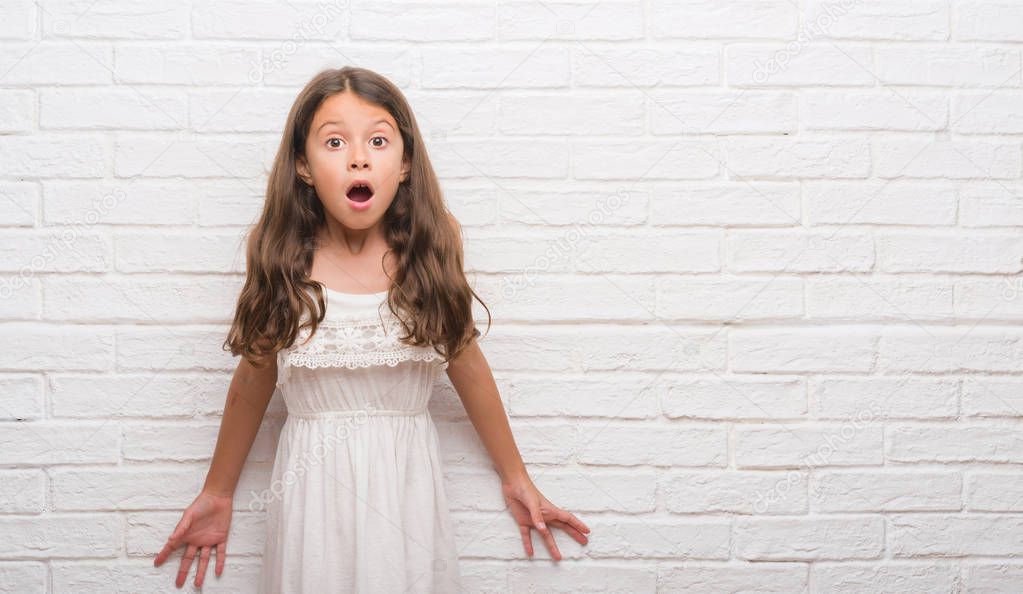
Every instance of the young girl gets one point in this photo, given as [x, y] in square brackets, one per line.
[355, 298]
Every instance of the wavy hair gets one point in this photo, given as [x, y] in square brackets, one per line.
[429, 288]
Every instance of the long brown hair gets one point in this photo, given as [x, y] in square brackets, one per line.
[430, 286]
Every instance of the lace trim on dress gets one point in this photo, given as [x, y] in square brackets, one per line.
[352, 343]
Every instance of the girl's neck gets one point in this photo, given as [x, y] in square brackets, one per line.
[362, 270]
[352, 242]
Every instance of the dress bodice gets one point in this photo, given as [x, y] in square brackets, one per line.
[355, 361]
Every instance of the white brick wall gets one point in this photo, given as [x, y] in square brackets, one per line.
[754, 265]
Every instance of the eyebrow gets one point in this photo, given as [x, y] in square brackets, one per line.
[342, 123]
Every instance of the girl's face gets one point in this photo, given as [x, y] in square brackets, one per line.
[353, 142]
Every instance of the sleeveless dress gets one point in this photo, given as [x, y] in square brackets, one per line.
[356, 501]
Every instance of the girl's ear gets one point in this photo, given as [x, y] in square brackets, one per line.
[404, 171]
[302, 169]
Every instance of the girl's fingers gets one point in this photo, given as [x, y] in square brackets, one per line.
[569, 518]
[551, 545]
[571, 530]
[186, 564]
[180, 529]
[204, 561]
[165, 552]
[527, 539]
[221, 553]
[173, 542]
[534, 512]
[545, 532]
[541, 527]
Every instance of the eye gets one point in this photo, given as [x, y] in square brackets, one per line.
[381, 138]
[330, 142]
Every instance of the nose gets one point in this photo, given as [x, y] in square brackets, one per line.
[358, 159]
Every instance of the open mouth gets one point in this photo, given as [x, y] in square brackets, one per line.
[360, 191]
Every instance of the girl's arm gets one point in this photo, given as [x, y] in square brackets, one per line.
[204, 525]
[247, 399]
[471, 377]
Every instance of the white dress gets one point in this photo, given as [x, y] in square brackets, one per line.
[356, 501]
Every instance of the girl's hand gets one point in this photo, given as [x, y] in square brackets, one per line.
[203, 527]
[532, 510]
